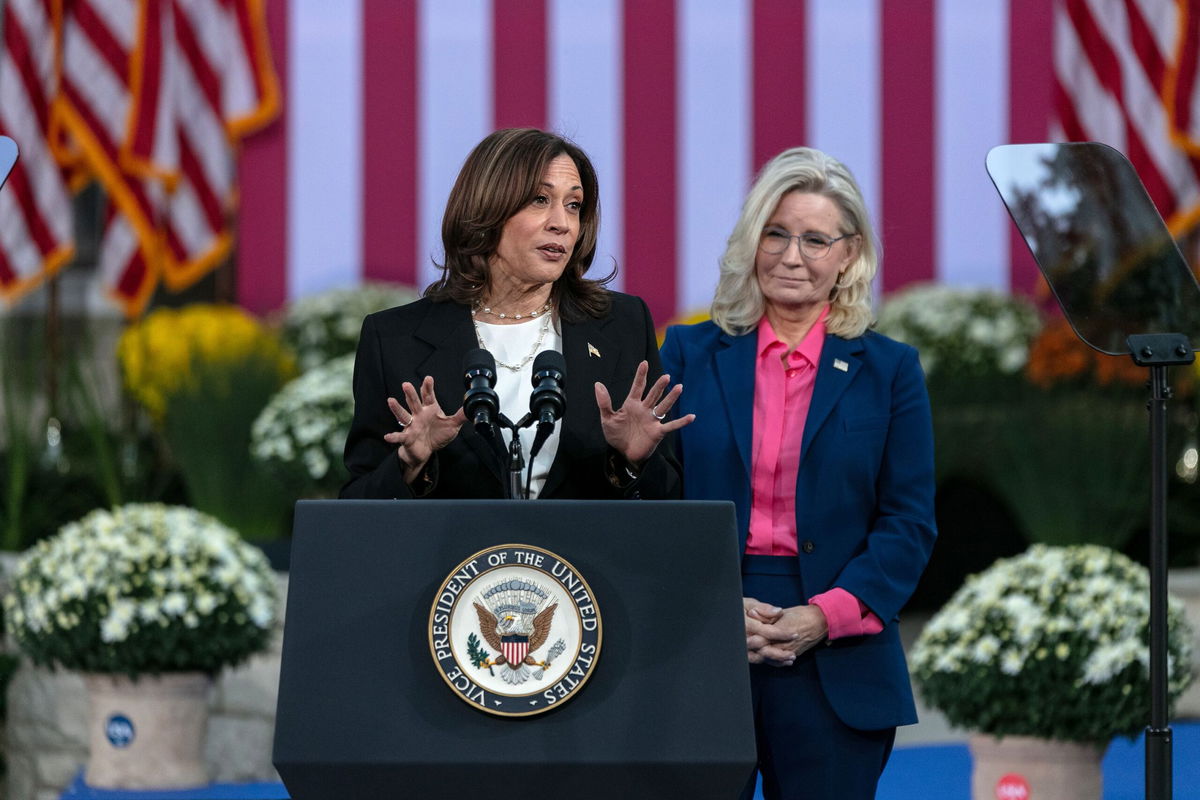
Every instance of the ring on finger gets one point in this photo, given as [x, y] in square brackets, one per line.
[659, 417]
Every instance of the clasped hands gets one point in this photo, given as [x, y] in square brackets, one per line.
[776, 636]
[634, 430]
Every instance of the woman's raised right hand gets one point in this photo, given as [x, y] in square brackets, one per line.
[425, 428]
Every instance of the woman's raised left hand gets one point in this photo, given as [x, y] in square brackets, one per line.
[635, 429]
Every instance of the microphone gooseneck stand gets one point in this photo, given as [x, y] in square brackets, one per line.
[1157, 351]
[515, 458]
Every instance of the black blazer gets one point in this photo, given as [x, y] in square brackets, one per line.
[430, 338]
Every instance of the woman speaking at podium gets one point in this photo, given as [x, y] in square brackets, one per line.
[519, 234]
[819, 432]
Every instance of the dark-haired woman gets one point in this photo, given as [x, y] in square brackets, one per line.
[519, 234]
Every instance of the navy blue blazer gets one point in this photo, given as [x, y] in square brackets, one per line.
[864, 493]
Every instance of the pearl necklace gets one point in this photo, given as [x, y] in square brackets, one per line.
[501, 315]
[536, 345]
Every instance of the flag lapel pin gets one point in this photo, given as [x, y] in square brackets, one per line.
[592, 351]
[840, 365]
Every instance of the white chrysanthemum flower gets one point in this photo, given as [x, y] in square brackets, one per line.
[115, 626]
[206, 602]
[174, 604]
[139, 569]
[326, 325]
[261, 613]
[961, 330]
[300, 434]
[1011, 663]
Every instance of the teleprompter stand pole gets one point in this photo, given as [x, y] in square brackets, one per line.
[1158, 351]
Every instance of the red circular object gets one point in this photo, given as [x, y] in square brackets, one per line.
[1012, 787]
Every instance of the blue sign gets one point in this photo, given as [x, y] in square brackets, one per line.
[119, 730]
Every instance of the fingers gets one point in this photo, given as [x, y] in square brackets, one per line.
[427, 396]
[773, 633]
[638, 389]
[767, 631]
[665, 402]
[764, 612]
[777, 656]
[676, 424]
[770, 654]
[663, 407]
[410, 396]
[402, 416]
[603, 400]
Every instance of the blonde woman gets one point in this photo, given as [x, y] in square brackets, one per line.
[818, 430]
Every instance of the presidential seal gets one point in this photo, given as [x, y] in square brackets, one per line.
[515, 630]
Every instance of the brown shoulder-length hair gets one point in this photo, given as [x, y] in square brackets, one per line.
[501, 176]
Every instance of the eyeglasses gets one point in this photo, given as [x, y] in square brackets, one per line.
[814, 246]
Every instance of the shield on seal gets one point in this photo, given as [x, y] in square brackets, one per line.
[515, 649]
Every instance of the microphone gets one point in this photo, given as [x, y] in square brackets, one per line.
[548, 402]
[481, 403]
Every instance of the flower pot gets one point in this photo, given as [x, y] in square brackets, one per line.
[1032, 768]
[1185, 584]
[148, 733]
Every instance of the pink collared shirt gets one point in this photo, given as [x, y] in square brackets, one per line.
[783, 390]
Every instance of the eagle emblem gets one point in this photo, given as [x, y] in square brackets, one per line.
[514, 620]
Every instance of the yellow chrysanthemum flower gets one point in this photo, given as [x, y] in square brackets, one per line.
[166, 351]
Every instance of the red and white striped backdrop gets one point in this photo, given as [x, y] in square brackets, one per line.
[677, 102]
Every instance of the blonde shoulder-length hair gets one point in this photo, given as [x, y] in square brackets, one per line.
[738, 305]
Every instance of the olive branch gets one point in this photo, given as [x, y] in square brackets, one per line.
[479, 657]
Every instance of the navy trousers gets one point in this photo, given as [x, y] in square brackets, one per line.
[805, 752]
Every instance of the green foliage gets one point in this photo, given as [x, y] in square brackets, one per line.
[1070, 463]
[16, 391]
[207, 428]
[477, 654]
[203, 373]
[90, 453]
[87, 408]
[1052, 643]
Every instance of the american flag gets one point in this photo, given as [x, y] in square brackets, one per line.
[94, 109]
[35, 211]
[1125, 74]
[679, 102]
[150, 97]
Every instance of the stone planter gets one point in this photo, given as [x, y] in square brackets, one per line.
[1031, 768]
[148, 733]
